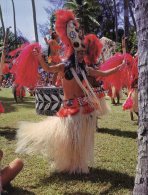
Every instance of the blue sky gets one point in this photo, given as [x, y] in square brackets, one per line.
[24, 17]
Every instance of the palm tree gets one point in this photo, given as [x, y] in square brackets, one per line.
[108, 19]
[35, 21]
[2, 21]
[141, 180]
[131, 7]
[116, 22]
[52, 21]
[126, 20]
[87, 12]
[14, 19]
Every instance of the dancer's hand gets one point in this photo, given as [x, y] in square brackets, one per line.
[45, 38]
[88, 70]
[36, 52]
[121, 66]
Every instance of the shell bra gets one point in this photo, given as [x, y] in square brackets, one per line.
[67, 70]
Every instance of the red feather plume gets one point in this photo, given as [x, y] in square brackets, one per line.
[26, 67]
[2, 110]
[120, 78]
[94, 48]
[62, 18]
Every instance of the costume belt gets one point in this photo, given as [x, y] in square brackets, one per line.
[99, 91]
[73, 106]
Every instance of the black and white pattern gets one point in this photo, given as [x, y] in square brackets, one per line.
[109, 48]
[48, 100]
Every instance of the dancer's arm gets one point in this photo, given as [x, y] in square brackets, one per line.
[52, 69]
[46, 41]
[95, 73]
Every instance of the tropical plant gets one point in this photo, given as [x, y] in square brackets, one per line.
[87, 12]
[131, 10]
[132, 42]
[12, 42]
[107, 19]
[125, 8]
[126, 18]
[116, 20]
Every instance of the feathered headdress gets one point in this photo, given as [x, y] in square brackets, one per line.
[93, 48]
[68, 30]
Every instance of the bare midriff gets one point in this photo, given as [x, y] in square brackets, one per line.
[71, 89]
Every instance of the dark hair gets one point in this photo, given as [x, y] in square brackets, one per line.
[71, 59]
[71, 62]
[49, 50]
[53, 35]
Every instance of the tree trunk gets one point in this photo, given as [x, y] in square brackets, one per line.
[116, 21]
[2, 21]
[141, 180]
[132, 15]
[126, 21]
[14, 19]
[34, 20]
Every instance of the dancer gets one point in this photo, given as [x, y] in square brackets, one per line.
[53, 52]
[94, 49]
[18, 91]
[53, 49]
[68, 138]
[131, 102]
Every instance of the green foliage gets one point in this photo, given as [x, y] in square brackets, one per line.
[115, 154]
[118, 47]
[87, 12]
[133, 44]
[95, 16]
[107, 19]
[12, 43]
[52, 22]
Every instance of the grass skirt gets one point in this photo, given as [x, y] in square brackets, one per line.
[105, 108]
[67, 142]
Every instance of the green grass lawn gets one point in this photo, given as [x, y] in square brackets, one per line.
[114, 164]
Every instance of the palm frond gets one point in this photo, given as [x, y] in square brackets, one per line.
[71, 5]
[93, 20]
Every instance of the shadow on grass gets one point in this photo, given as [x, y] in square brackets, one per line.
[8, 104]
[8, 132]
[117, 104]
[11, 106]
[116, 179]
[16, 191]
[27, 104]
[117, 132]
[77, 193]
